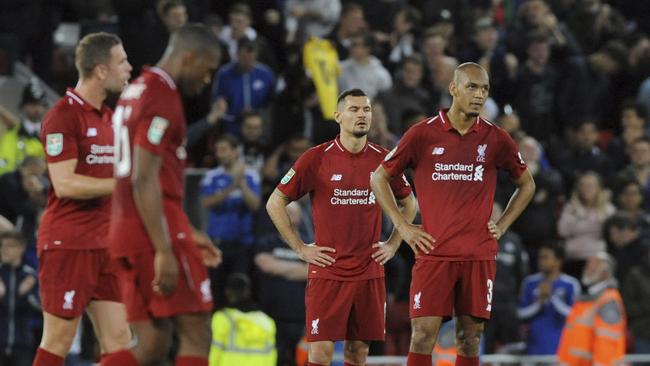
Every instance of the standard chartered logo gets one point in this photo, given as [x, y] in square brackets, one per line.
[352, 197]
[100, 154]
[457, 172]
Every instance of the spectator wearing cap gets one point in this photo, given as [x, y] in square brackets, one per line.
[21, 137]
[245, 85]
[625, 243]
[363, 70]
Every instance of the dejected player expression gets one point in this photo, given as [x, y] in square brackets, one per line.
[354, 116]
[470, 90]
[119, 70]
[197, 73]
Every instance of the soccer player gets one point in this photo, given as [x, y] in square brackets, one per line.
[345, 297]
[75, 272]
[163, 278]
[455, 156]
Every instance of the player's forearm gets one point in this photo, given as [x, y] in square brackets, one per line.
[147, 195]
[518, 202]
[379, 182]
[81, 187]
[409, 210]
[277, 209]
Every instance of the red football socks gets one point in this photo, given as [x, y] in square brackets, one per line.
[123, 357]
[191, 361]
[418, 359]
[45, 358]
[466, 361]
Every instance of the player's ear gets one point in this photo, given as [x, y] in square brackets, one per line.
[337, 116]
[101, 71]
[453, 88]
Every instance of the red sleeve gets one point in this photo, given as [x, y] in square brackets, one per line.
[509, 157]
[403, 155]
[400, 186]
[59, 134]
[155, 128]
[299, 180]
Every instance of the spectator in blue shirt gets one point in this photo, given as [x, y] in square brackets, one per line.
[545, 301]
[231, 193]
[244, 84]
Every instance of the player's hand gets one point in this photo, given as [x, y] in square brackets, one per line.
[26, 285]
[211, 254]
[385, 251]
[3, 289]
[417, 238]
[494, 230]
[314, 254]
[165, 273]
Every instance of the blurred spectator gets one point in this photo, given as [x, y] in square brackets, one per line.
[379, 132]
[639, 168]
[581, 222]
[401, 42]
[351, 23]
[636, 292]
[629, 200]
[545, 301]
[406, 93]
[244, 84]
[238, 29]
[310, 18]
[586, 155]
[440, 80]
[19, 302]
[538, 223]
[254, 150]
[242, 335]
[281, 287]
[281, 160]
[512, 266]
[231, 192]
[510, 122]
[633, 127]
[23, 194]
[595, 329]
[21, 137]
[595, 22]
[625, 243]
[363, 70]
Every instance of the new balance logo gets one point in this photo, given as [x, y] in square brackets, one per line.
[68, 300]
[438, 151]
[416, 301]
[336, 177]
[314, 326]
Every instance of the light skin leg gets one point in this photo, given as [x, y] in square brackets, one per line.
[424, 332]
[58, 333]
[468, 335]
[356, 352]
[321, 352]
[111, 328]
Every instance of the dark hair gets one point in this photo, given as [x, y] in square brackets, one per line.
[238, 289]
[557, 250]
[356, 92]
[240, 8]
[249, 114]
[197, 38]
[641, 139]
[94, 49]
[639, 108]
[621, 220]
[13, 234]
[617, 51]
[167, 5]
[412, 15]
[414, 58]
[350, 7]
[230, 139]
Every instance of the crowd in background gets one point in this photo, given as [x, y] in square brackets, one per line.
[570, 81]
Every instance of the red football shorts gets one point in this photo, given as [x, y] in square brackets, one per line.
[70, 279]
[192, 293]
[345, 310]
[438, 288]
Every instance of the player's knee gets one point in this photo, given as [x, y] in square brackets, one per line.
[150, 352]
[320, 355]
[356, 353]
[423, 335]
[197, 340]
[116, 339]
[468, 341]
[58, 340]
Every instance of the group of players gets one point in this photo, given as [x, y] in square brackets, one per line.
[115, 242]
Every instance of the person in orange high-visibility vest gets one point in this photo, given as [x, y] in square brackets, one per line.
[594, 333]
[444, 352]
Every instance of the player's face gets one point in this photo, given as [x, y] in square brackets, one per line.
[119, 70]
[470, 90]
[354, 116]
[197, 73]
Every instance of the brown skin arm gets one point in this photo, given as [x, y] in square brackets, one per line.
[147, 195]
[518, 202]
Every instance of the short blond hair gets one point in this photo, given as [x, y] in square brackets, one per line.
[94, 49]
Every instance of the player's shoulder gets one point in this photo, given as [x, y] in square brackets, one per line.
[64, 110]
[377, 149]
[492, 127]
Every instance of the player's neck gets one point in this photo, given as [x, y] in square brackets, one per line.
[459, 120]
[90, 91]
[352, 143]
[168, 65]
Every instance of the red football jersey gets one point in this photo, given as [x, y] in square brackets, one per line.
[346, 215]
[74, 129]
[150, 115]
[455, 179]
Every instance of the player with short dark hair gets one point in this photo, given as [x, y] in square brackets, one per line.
[163, 278]
[346, 296]
[75, 270]
[455, 157]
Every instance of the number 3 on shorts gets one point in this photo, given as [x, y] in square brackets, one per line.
[489, 295]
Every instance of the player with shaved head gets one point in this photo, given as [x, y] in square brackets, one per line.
[455, 156]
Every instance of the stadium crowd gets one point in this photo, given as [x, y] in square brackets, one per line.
[570, 82]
